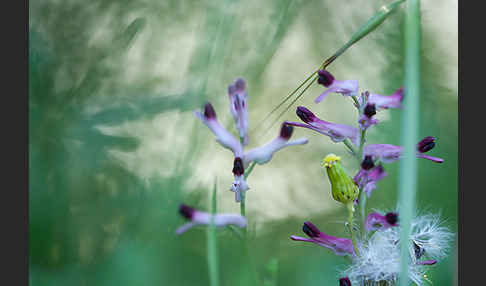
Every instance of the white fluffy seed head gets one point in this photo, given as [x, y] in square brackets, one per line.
[379, 252]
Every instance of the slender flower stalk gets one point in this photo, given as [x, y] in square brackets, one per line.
[212, 244]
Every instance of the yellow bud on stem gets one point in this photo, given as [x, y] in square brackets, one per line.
[344, 189]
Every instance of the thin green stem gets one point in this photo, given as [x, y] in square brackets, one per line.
[362, 207]
[250, 168]
[408, 165]
[362, 139]
[350, 146]
[212, 245]
[350, 225]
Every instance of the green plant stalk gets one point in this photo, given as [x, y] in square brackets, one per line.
[350, 224]
[212, 245]
[408, 165]
[243, 195]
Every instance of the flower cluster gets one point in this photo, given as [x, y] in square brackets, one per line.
[375, 255]
[238, 106]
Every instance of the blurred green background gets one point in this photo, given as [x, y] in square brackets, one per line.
[114, 146]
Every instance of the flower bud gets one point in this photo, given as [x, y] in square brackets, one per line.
[344, 189]
[344, 281]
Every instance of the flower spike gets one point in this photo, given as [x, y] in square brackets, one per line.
[196, 217]
[263, 154]
[223, 137]
[239, 107]
[340, 246]
[347, 87]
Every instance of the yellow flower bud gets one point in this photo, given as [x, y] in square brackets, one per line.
[344, 189]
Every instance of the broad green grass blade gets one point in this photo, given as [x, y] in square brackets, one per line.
[408, 165]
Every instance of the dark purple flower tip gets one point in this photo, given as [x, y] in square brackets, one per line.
[310, 229]
[426, 144]
[186, 211]
[391, 218]
[367, 163]
[305, 114]
[325, 78]
[209, 112]
[344, 281]
[286, 131]
[369, 110]
[240, 84]
[238, 168]
[418, 250]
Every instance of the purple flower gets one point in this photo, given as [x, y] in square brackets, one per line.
[239, 185]
[375, 221]
[366, 119]
[344, 281]
[387, 101]
[224, 138]
[196, 217]
[340, 246]
[368, 175]
[427, 262]
[388, 153]
[263, 154]
[347, 87]
[239, 107]
[337, 132]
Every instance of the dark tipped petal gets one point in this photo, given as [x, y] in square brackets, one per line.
[310, 229]
[427, 262]
[426, 144]
[369, 110]
[367, 163]
[391, 218]
[238, 168]
[325, 78]
[344, 281]
[186, 211]
[209, 112]
[418, 250]
[240, 84]
[305, 114]
[286, 131]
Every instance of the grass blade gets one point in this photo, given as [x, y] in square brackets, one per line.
[408, 165]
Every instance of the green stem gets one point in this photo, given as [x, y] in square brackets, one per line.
[408, 165]
[350, 146]
[212, 245]
[350, 224]
[362, 208]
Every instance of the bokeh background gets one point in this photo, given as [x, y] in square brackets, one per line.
[114, 146]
